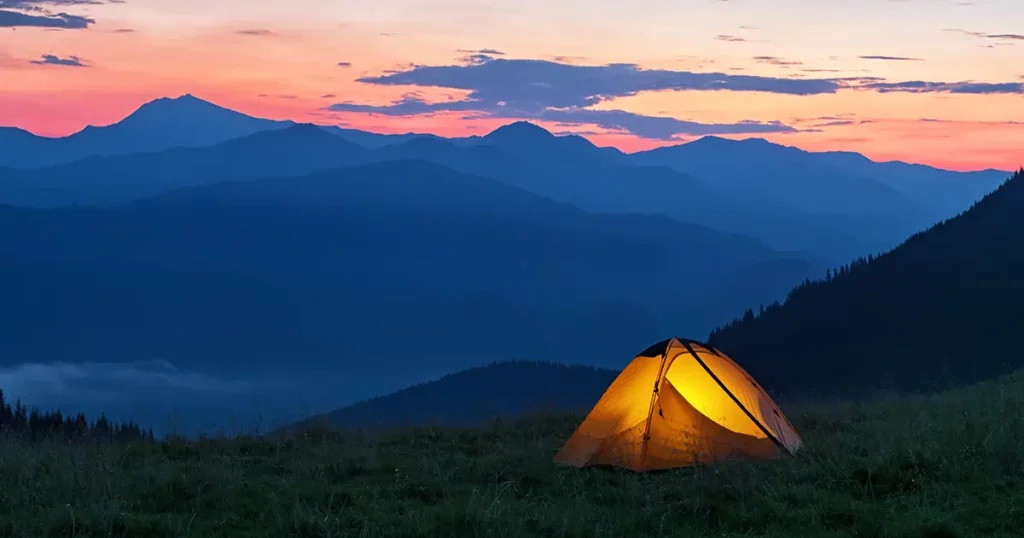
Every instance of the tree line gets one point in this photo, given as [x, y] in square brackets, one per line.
[28, 422]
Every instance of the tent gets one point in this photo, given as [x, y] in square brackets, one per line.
[680, 403]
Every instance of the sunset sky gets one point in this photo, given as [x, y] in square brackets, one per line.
[932, 81]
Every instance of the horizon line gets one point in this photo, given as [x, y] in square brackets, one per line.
[513, 122]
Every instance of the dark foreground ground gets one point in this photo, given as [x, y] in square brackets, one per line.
[948, 465]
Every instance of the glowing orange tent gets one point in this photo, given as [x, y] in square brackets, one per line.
[680, 403]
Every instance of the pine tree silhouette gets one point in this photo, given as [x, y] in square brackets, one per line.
[37, 425]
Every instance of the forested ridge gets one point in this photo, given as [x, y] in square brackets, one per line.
[942, 309]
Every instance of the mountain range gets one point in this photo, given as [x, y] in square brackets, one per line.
[159, 125]
[939, 311]
[319, 269]
[224, 243]
[825, 207]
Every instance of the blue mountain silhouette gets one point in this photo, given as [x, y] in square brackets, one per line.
[158, 125]
[319, 270]
[827, 207]
[230, 243]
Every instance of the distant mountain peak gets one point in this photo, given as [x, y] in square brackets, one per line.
[185, 97]
[186, 102]
[722, 141]
[305, 126]
[305, 130]
[520, 129]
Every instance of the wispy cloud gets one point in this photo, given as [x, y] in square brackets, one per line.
[730, 38]
[987, 35]
[891, 58]
[919, 86]
[488, 52]
[569, 59]
[970, 122]
[1012, 37]
[262, 32]
[345, 64]
[70, 61]
[774, 60]
[98, 377]
[965, 32]
[839, 120]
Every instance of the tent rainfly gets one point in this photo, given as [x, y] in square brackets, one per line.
[680, 403]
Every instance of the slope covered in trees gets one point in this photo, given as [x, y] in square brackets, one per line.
[942, 309]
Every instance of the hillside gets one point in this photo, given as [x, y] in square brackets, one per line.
[941, 309]
[940, 466]
[472, 397]
[317, 271]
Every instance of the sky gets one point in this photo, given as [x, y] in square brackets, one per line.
[939, 82]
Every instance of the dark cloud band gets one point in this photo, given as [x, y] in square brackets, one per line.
[653, 127]
[560, 92]
[37, 13]
[555, 84]
[14, 19]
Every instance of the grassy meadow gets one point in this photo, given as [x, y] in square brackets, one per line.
[945, 465]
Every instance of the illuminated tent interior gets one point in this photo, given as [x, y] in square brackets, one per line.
[680, 403]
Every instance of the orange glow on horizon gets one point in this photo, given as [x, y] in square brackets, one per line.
[962, 146]
[290, 70]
